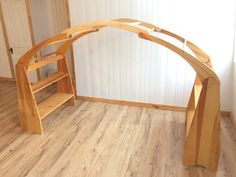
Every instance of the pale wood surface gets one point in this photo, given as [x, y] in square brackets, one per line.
[104, 140]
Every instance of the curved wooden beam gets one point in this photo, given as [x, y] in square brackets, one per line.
[202, 145]
[123, 24]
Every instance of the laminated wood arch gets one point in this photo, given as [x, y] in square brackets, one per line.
[202, 145]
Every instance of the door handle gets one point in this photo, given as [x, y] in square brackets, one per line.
[11, 50]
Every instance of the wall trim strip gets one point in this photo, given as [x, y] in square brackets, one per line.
[143, 104]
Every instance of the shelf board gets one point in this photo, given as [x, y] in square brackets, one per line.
[52, 103]
[44, 62]
[48, 81]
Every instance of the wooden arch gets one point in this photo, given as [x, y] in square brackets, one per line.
[202, 145]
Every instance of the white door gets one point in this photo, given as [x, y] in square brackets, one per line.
[5, 70]
[18, 30]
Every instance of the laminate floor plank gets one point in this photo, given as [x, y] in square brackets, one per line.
[102, 140]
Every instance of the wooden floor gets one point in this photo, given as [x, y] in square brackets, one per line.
[102, 140]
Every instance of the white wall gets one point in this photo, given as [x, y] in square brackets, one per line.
[234, 90]
[234, 71]
[116, 64]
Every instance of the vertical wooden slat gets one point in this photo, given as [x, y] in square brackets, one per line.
[203, 135]
[65, 85]
[28, 112]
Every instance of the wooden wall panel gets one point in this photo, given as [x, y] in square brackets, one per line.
[49, 18]
[116, 64]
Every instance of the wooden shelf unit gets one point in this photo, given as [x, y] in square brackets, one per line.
[31, 116]
[202, 145]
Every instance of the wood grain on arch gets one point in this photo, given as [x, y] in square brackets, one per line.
[202, 145]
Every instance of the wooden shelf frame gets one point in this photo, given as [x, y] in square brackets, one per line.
[31, 113]
[202, 145]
